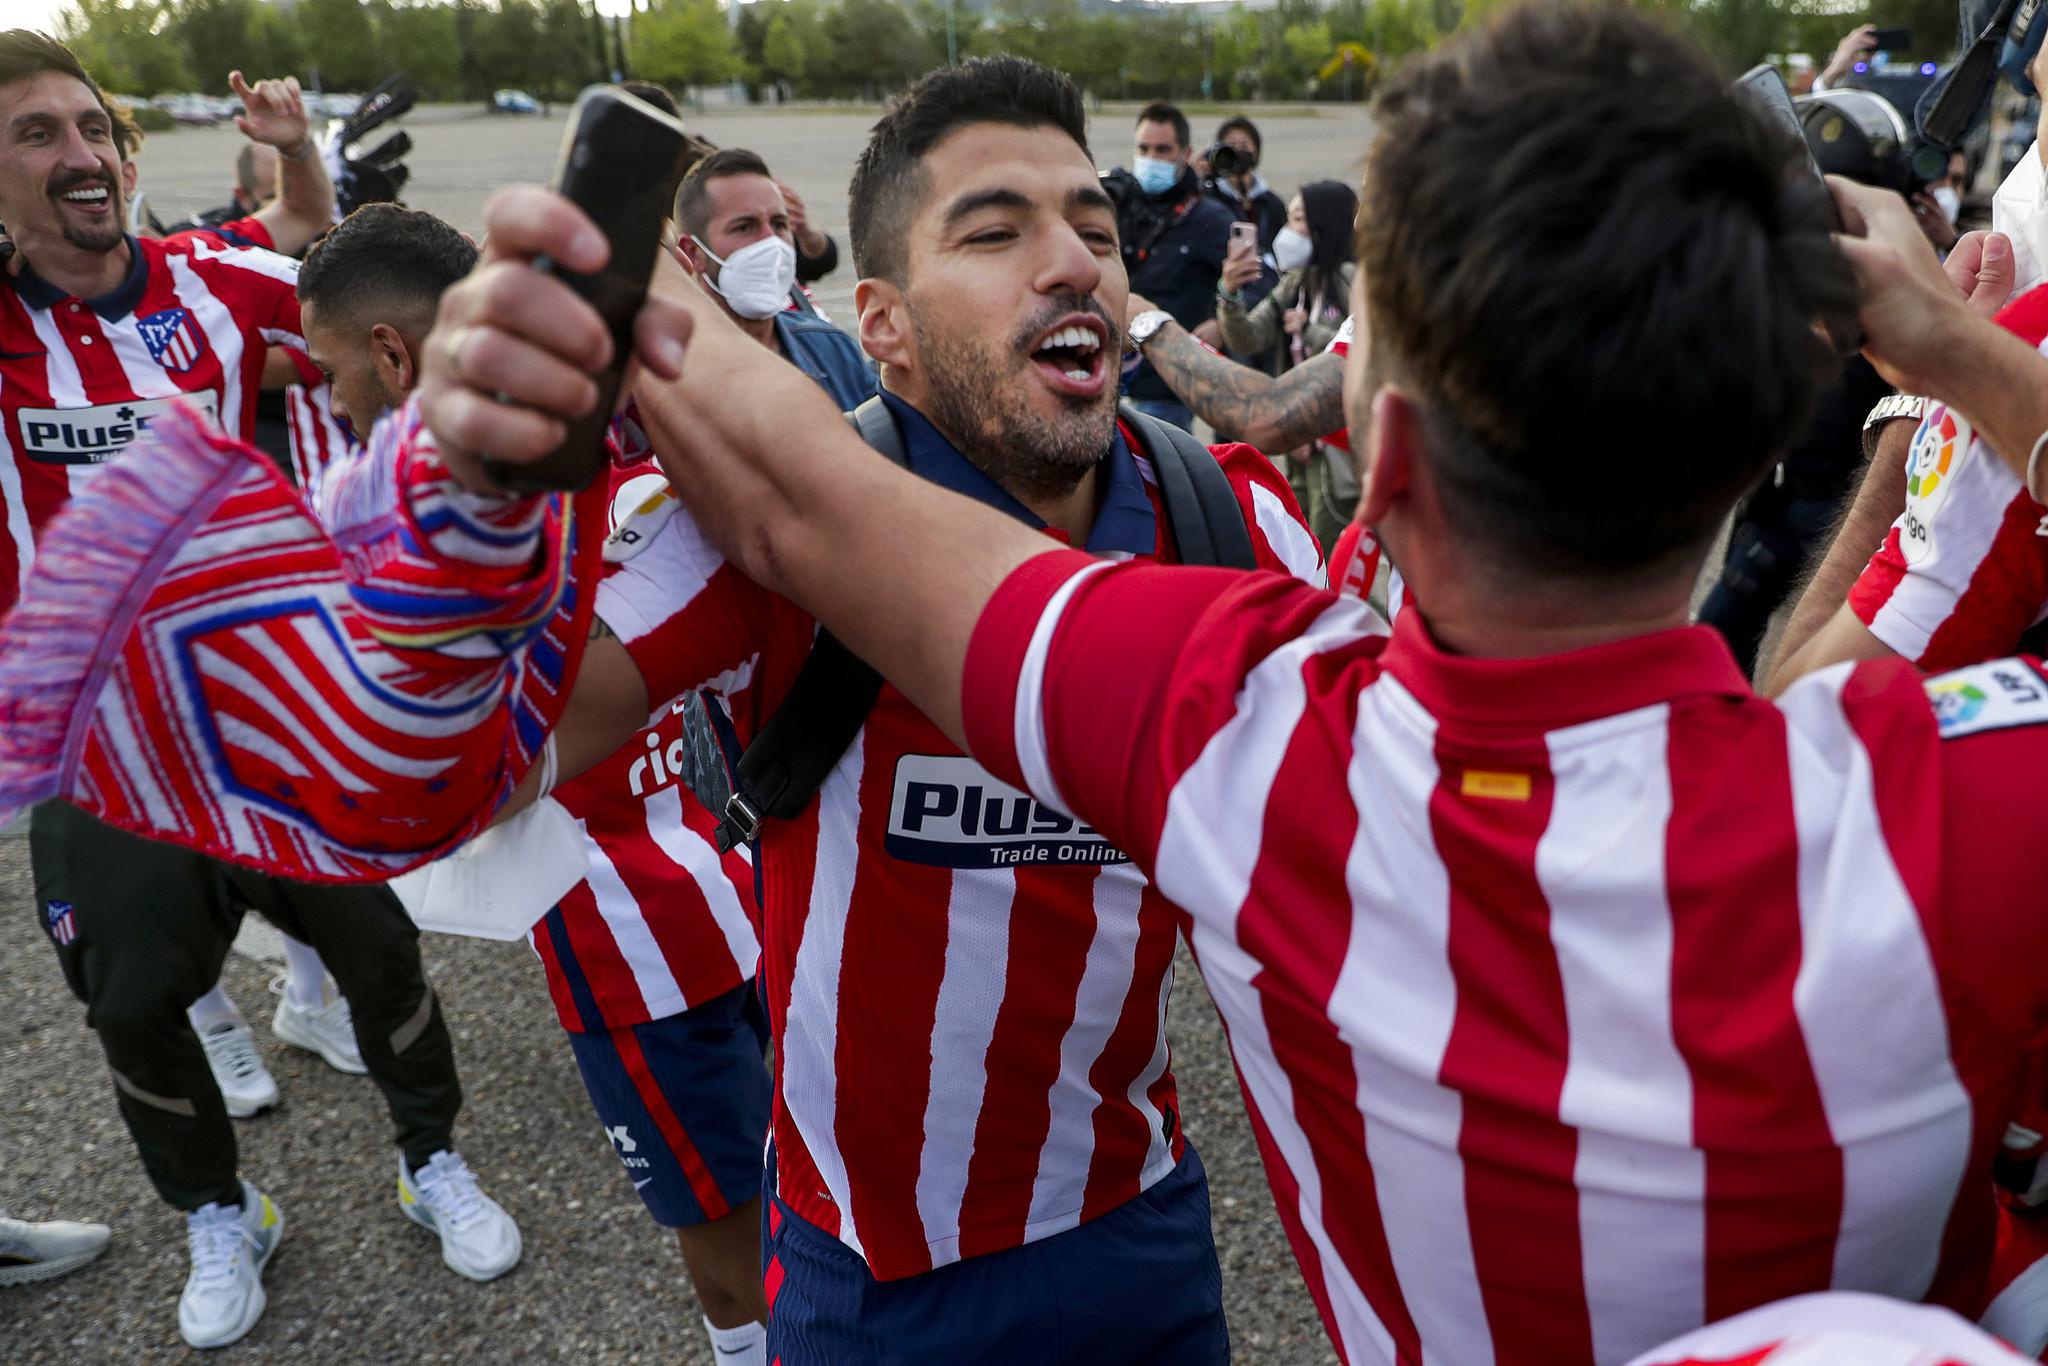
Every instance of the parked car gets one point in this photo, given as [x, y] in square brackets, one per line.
[196, 110]
[514, 102]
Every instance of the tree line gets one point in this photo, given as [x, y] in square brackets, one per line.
[835, 49]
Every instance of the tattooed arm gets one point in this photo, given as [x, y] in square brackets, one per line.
[1243, 404]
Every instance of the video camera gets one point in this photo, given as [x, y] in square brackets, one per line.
[1862, 136]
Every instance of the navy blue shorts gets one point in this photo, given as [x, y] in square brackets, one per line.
[1138, 1285]
[684, 1101]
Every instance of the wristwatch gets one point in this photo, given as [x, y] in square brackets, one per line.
[1893, 407]
[1145, 325]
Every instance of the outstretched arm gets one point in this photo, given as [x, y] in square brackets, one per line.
[1244, 404]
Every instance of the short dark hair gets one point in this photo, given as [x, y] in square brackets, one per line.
[1159, 111]
[1586, 264]
[1238, 123]
[25, 53]
[889, 184]
[384, 256]
[693, 197]
[656, 95]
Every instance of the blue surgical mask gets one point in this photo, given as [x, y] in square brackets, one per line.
[1154, 176]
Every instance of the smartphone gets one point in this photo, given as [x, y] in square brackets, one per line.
[1765, 89]
[621, 162]
[1244, 237]
[1891, 39]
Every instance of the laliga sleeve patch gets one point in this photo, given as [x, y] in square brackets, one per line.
[634, 525]
[1994, 696]
[1943, 441]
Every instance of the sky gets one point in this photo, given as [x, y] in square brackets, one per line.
[37, 14]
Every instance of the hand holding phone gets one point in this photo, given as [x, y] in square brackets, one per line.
[621, 161]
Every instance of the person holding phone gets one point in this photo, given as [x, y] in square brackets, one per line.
[1297, 321]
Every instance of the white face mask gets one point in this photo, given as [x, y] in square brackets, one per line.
[1292, 250]
[756, 279]
[2019, 209]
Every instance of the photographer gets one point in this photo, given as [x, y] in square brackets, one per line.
[1174, 241]
[1232, 167]
[1296, 321]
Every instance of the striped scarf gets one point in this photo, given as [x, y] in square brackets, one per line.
[332, 688]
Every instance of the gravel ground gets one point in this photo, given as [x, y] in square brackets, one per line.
[354, 1282]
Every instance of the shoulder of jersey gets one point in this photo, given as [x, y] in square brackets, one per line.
[1997, 695]
[2027, 316]
[640, 509]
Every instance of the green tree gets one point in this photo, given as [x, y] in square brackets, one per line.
[874, 48]
[507, 46]
[340, 43]
[683, 42]
[422, 42]
[565, 62]
[127, 45]
[217, 36]
[793, 43]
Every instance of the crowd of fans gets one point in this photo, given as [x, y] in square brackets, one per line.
[1608, 980]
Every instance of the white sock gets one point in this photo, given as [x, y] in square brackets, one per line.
[746, 1345]
[306, 974]
[212, 1010]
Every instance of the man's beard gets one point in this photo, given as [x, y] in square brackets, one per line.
[104, 237]
[973, 393]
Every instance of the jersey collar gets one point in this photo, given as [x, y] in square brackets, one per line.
[1124, 519]
[117, 302]
[1564, 689]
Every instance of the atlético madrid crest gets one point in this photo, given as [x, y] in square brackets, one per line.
[174, 340]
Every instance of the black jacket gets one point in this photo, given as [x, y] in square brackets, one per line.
[1173, 246]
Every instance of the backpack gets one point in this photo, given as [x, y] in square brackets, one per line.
[778, 774]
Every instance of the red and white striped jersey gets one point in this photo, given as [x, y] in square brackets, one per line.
[1964, 571]
[664, 921]
[967, 988]
[81, 378]
[1577, 1001]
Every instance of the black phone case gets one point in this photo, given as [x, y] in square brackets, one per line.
[621, 161]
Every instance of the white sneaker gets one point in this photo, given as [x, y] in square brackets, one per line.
[478, 1239]
[231, 1244]
[245, 1083]
[328, 1030]
[42, 1252]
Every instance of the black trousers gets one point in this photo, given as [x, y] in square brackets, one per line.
[142, 928]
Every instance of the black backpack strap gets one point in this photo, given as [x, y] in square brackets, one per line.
[1201, 507]
[835, 690]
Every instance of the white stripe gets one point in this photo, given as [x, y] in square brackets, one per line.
[1867, 1330]
[1396, 1000]
[66, 384]
[620, 911]
[692, 852]
[971, 992]
[1288, 539]
[255, 260]
[810, 1036]
[223, 333]
[1207, 851]
[16, 500]
[1159, 1157]
[1030, 724]
[1107, 975]
[1869, 1003]
[130, 767]
[1627, 1089]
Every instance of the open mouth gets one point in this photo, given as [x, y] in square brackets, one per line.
[1072, 354]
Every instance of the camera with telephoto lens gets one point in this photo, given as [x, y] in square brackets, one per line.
[1226, 160]
[1863, 137]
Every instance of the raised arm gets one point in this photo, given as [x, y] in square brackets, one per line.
[275, 115]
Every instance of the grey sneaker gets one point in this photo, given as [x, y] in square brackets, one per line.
[31, 1252]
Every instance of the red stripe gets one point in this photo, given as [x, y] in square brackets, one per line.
[2004, 594]
[1507, 1053]
[665, 1119]
[892, 961]
[1298, 926]
[1123, 1133]
[1879, 580]
[1773, 1172]
[1052, 923]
